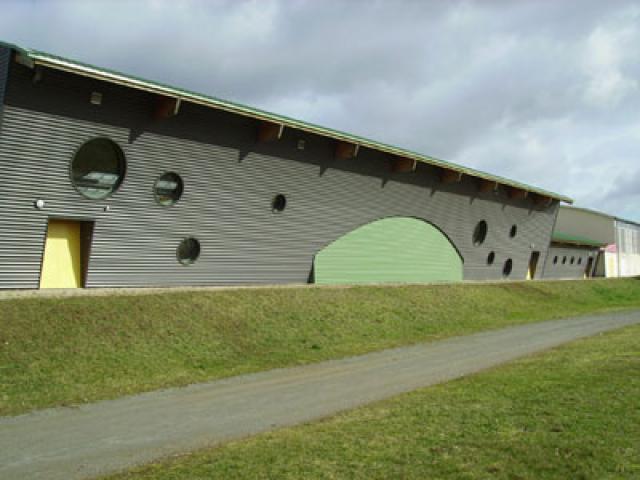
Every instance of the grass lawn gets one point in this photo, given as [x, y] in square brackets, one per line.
[570, 413]
[72, 350]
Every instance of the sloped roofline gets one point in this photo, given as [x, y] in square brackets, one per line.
[33, 58]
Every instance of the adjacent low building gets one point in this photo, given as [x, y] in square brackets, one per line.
[113, 181]
[589, 243]
[623, 258]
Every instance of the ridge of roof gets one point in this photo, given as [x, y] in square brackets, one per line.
[36, 57]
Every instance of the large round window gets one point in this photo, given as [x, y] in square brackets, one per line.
[168, 188]
[480, 233]
[188, 251]
[98, 168]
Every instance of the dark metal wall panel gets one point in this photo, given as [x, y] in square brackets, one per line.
[5, 57]
[229, 182]
[568, 262]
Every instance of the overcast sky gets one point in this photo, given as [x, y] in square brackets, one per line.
[545, 92]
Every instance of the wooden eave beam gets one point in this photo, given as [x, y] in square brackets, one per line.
[346, 150]
[403, 165]
[542, 200]
[518, 193]
[487, 186]
[450, 176]
[269, 132]
[166, 107]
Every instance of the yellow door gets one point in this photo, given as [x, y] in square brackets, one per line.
[61, 261]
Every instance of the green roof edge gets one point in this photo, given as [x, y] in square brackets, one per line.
[73, 66]
[562, 237]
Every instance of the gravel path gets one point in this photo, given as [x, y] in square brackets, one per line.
[85, 441]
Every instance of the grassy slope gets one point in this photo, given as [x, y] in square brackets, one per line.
[64, 351]
[571, 413]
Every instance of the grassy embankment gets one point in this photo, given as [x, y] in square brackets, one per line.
[62, 351]
[570, 413]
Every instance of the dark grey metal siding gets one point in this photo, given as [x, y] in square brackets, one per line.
[563, 267]
[229, 182]
[5, 57]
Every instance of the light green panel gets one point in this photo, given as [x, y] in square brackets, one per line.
[394, 249]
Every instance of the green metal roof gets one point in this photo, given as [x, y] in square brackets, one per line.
[561, 237]
[35, 57]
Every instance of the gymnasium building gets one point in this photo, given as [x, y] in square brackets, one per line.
[114, 181]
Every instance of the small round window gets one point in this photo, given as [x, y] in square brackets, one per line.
[491, 257]
[168, 188]
[98, 168]
[279, 203]
[508, 266]
[480, 233]
[188, 251]
[513, 231]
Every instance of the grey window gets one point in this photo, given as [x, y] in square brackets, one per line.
[98, 168]
[279, 203]
[480, 233]
[188, 251]
[491, 257]
[508, 266]
[513, 231]
[168, 188]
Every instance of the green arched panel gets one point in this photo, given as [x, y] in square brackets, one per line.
[394, 249]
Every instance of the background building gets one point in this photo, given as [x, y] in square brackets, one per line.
[610, 246]
[110, 180]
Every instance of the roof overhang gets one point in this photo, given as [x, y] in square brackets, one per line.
[33, 58]
[565, 238]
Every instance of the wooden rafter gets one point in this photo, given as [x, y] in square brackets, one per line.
[346, 150]
[450, 176]
[542, 200]
[518, 193]
[166, 107]
[403, 165]
[269, 132]
[487, 186]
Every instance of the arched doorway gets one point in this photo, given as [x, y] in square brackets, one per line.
[396, 249]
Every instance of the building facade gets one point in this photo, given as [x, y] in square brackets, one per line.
[625, 257]
[112, 181]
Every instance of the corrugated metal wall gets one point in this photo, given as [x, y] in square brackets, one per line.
[5, 56]
[559, 261]
[229, 182]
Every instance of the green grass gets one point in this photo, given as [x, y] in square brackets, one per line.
[570, 413]
[62, 351]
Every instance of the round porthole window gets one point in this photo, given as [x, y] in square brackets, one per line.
[168, 188]
[491, 257]
[188, 251]
[480, 233]
[279, 203]
[513, 231]
[98, 168]
[506, 269]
